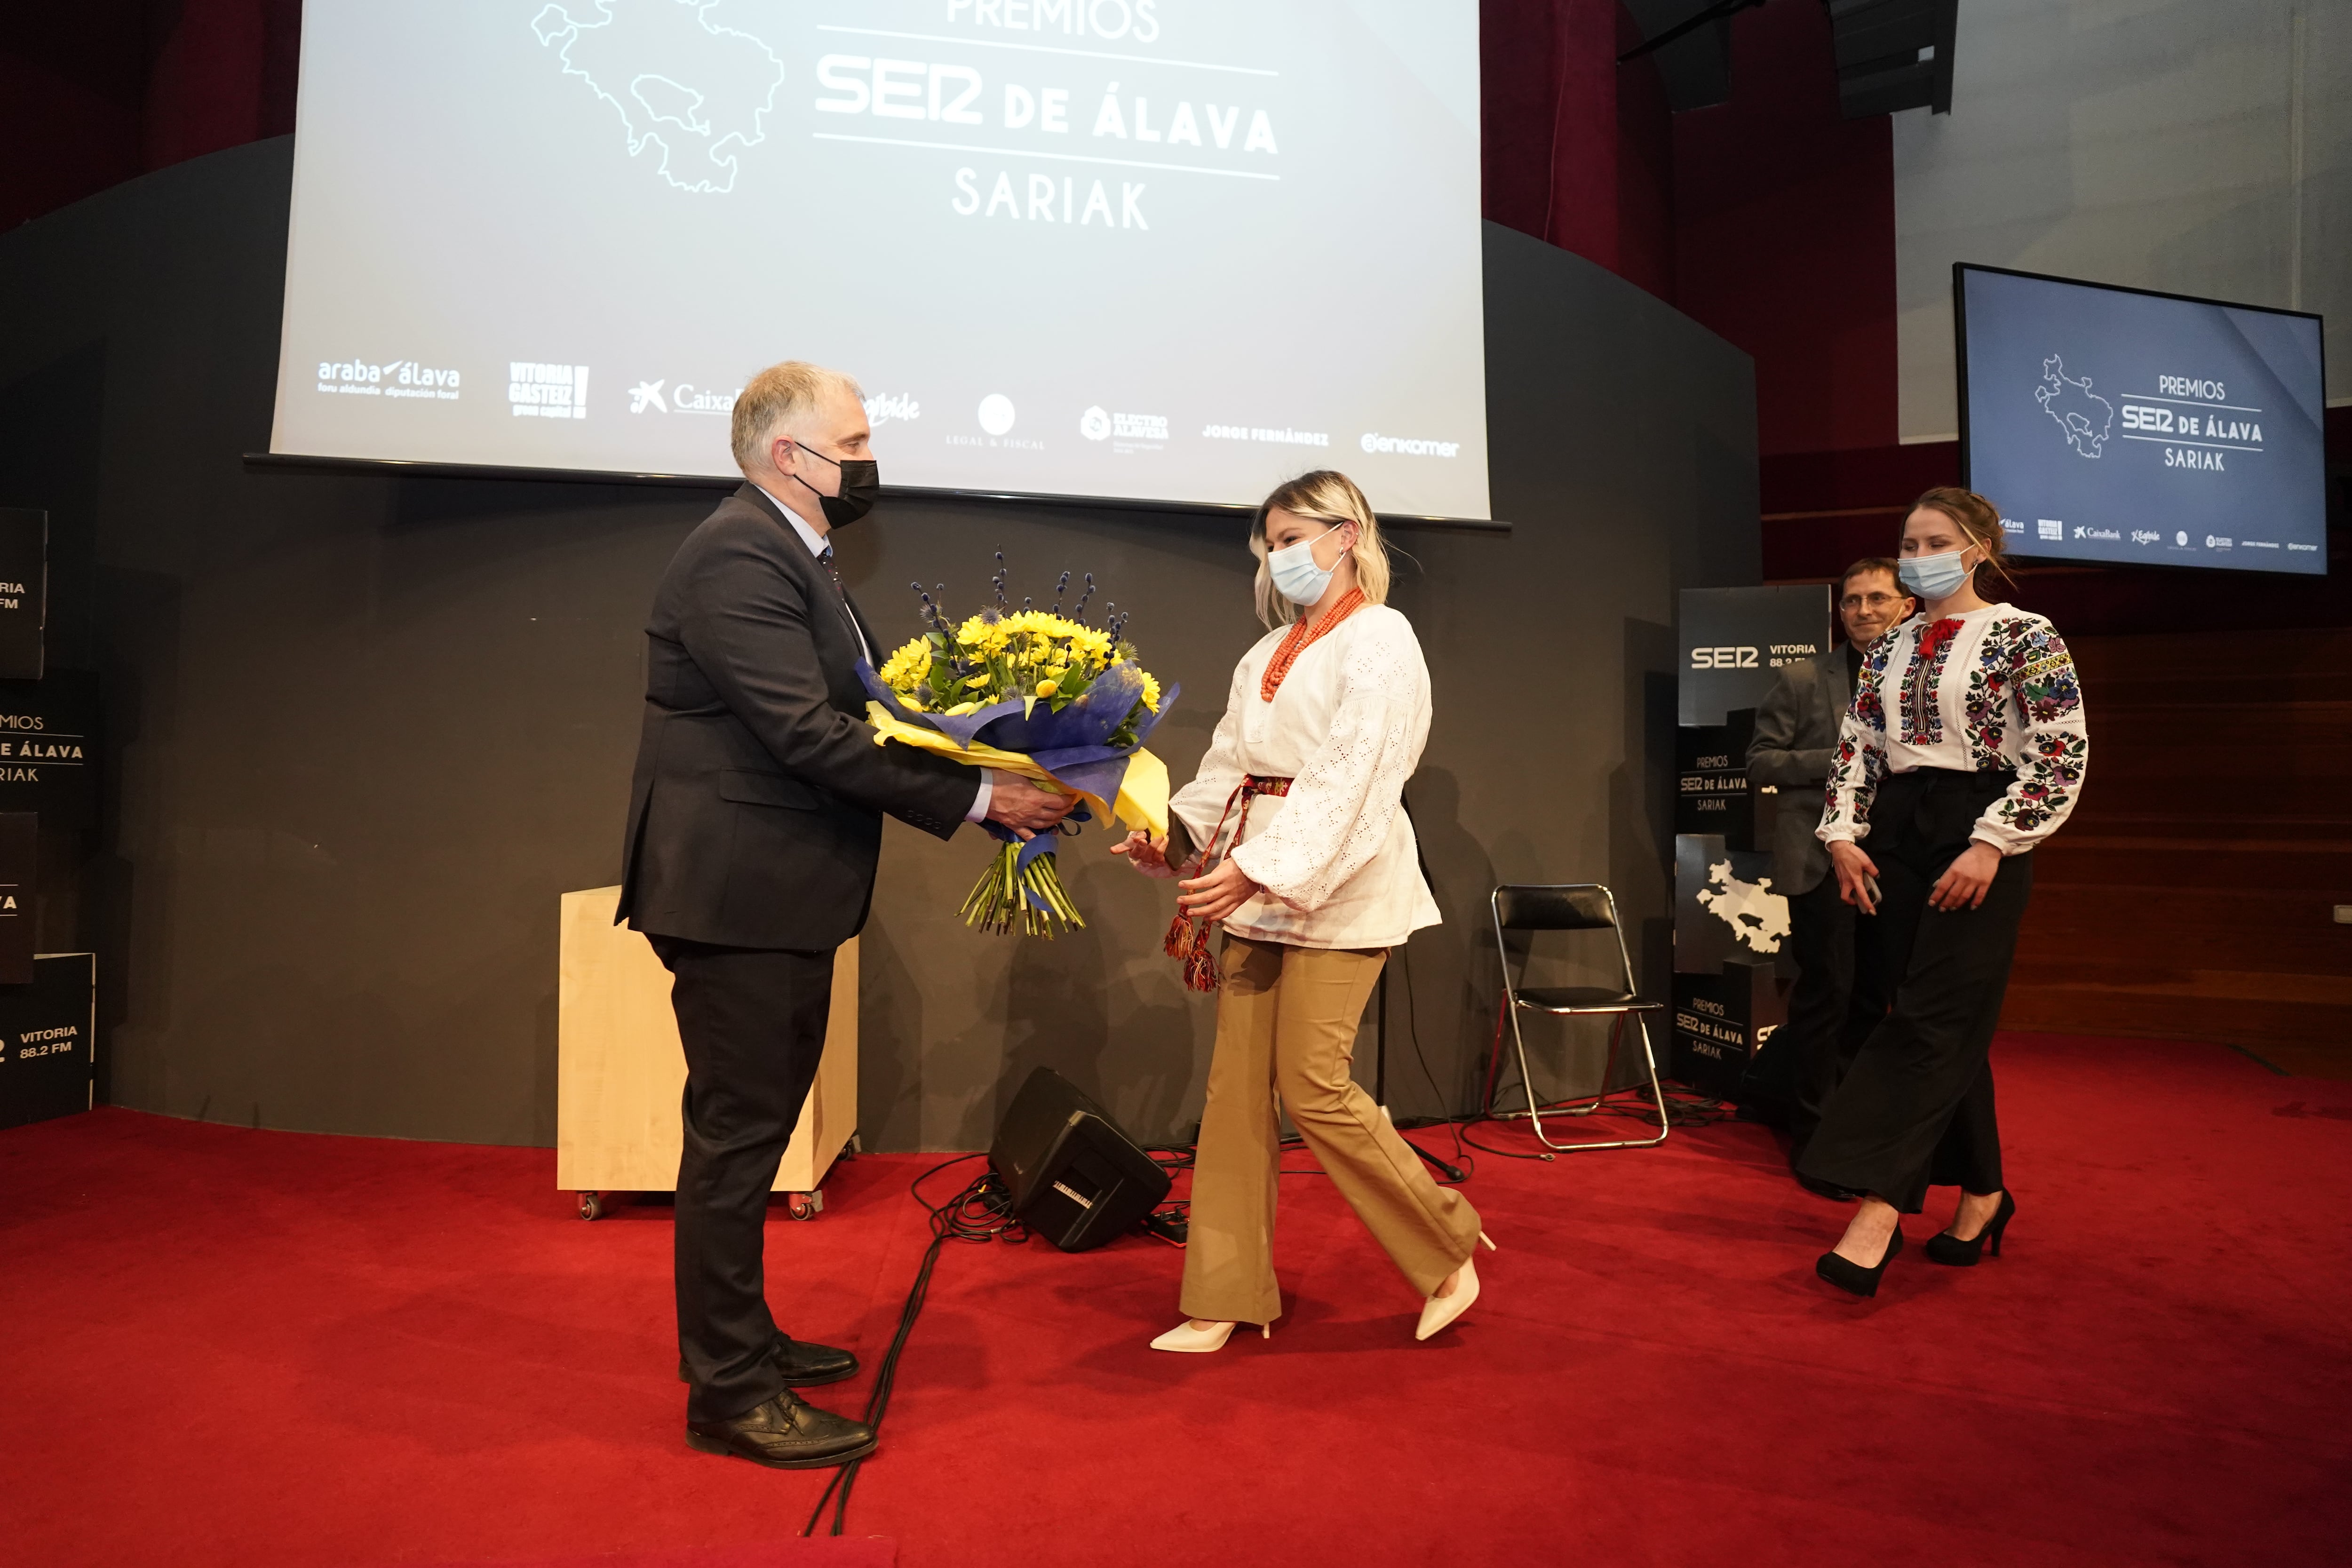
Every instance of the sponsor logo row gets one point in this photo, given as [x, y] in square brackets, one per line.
[2057, 530]
[536, 390]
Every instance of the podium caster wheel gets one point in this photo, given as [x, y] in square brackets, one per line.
[804, 1206]
[591, 1205]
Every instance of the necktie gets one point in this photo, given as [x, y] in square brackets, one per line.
[825, 559]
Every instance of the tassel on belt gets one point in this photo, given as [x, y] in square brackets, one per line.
[1188, 939]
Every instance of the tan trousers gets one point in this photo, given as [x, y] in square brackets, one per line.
[1286, 1025]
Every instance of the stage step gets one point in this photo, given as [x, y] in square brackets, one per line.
[2191, 895]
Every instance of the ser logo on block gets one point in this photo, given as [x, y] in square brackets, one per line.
[1725, 657]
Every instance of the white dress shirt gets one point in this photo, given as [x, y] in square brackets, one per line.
[817, 545]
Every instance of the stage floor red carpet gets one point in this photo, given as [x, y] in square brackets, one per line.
[228, 1347]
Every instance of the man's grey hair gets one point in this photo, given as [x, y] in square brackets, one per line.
[777, 393]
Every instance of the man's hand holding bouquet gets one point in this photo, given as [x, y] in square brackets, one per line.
[1044, 697]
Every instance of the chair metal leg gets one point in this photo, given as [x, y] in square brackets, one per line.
[1534, 1104]
[1657, 1092]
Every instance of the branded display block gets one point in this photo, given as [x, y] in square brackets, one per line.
[1735, 640]
[49, 749]
[48, 1039]
[1720, 1020]
[24, 591]
[1713, 795]
[1725, 910]
[20, 854]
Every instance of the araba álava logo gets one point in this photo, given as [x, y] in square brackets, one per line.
[394, 378]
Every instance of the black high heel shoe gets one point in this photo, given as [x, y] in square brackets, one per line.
[1945, 1247]
[1852, 1278]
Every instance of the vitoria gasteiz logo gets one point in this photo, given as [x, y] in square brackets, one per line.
[547, 391]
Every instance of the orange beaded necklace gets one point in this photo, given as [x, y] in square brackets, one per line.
[1303, 638]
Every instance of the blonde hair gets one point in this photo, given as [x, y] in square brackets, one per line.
[1329, 497]
[779, 393]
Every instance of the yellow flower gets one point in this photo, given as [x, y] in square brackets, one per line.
[905, 669]
[1047, 687]
[977, 681]
[961, 708]
[1152, 691]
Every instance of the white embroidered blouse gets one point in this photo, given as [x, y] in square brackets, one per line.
[1997, 691]
[1336, 856]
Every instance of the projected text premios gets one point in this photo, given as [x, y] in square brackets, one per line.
[1131, 131]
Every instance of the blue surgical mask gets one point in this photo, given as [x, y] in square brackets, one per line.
[1295, 575]
[1934, 576]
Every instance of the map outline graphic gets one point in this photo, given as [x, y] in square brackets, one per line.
[2075, 416]
[1758, 916]
[659, 97]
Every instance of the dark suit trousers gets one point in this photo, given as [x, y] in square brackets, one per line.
[753, 1022]
[1917, 1109]
[1838, 998]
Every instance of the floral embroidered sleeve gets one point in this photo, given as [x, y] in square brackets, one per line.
[2054, 745]
[1860, 760]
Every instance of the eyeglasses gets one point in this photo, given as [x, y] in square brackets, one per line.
[1869, 600]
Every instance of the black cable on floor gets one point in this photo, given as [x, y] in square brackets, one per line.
[980, 1212]
[1468, 1166]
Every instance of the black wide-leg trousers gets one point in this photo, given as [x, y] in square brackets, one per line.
[753, 1022]
[1917, 1108]
[1838, 998]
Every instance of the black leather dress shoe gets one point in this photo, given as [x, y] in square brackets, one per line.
[787, 1432]
[804, 1364]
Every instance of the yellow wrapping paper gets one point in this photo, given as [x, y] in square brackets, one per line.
[1142, 794]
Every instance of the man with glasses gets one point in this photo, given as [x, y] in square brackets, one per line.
[1840, 994]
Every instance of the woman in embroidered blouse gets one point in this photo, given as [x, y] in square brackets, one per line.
[1292, 839]
[1965, 748]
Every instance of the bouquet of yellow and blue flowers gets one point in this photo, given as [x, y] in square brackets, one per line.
[1043, 695]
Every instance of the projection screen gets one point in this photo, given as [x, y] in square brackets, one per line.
[1161, 249]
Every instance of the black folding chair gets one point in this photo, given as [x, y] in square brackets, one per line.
[1572, 906]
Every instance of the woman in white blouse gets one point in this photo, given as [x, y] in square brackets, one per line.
[1294, 841]
[1965, 748]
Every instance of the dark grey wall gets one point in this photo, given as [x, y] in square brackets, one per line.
[364, 731]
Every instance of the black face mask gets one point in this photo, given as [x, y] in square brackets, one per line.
[861, 482]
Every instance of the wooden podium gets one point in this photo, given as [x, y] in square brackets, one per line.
[620, 1070]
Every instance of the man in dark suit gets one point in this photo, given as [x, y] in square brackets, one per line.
[755, 820]
[1840, 994]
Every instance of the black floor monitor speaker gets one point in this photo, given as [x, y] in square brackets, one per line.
[1076, 1179]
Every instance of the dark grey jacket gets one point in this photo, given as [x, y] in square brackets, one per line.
[755, 813]
[1796, 735]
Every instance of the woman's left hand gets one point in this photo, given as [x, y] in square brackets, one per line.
[1218, 894]
[1965, 883]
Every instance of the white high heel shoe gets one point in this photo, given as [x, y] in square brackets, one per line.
[1440, 1310]
[1190, 1341]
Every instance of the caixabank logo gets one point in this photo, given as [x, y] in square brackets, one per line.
[686, 397]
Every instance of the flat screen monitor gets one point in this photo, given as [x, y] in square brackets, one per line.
[1173, 250]
[2117, 425]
